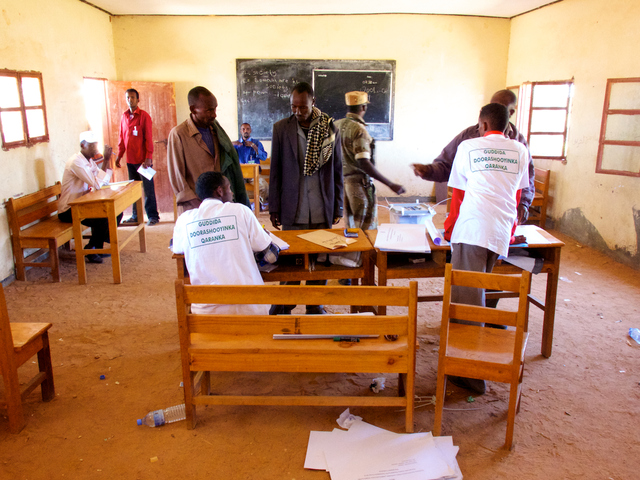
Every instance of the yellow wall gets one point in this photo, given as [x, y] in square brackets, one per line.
[66, 40]
[591, 40]
[447, 67]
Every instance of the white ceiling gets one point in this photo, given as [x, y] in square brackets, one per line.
[489, 8]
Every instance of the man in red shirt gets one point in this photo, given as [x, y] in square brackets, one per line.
[137, 140]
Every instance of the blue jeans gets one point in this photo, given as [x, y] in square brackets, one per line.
[150, 205]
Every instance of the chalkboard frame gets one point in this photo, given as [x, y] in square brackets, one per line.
[263, 87]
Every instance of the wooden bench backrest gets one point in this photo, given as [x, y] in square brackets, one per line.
[33, 207]
[402, 324]
[542, 181]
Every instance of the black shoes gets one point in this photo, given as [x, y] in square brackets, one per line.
[477, 386]
[130, 221]
[153, 221]
[316, 310]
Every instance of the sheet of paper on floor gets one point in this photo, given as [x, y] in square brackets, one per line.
[402, 237]
[365, 450]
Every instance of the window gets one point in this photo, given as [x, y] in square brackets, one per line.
[619, 148]
[23, 117]
[543, 117]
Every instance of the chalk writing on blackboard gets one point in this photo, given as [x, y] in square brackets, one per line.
[264, 87]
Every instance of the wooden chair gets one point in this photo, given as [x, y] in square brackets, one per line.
[18, 343]
[483, 353]
[251, 171]
[244, 343]
[538, 209]
[35, 225]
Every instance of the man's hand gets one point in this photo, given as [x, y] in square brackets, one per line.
[107, 153]
[236, 143]
[523, 214]
[247, 143]
[397, 189]
[336, 220]
[148, 162]
[275, 220]
[118, 162]
[422, 171]
[519, 239]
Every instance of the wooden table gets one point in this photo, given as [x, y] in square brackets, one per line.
[298, 262]
[107, 203]
[397, 265]
[252, 171]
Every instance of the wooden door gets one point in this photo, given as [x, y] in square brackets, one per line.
[159, 100]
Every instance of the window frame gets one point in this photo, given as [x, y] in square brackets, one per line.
[602, 141]
[525, 114]
[27, 141]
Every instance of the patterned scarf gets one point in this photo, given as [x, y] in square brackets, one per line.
[320, 142]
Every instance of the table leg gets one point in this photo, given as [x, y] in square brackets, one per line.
[113, 242]
[142, 236]
[381, 263]
[550, 305]
[80, 252]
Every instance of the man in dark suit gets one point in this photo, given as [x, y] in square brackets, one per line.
[305, 183]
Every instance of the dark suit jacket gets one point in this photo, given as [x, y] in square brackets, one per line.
[284, 180]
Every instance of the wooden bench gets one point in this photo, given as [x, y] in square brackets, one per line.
[245, 343]
[34, 223]
[538, 209]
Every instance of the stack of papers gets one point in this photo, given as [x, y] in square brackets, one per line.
[278, 241]
[402, 237]
[369, 452]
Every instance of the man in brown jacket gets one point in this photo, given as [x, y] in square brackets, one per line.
[199, 145]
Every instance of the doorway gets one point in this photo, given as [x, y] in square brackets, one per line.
[105, 103]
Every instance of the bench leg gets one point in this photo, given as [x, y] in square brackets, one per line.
[54, 259]
[44, 365]
[20, 271]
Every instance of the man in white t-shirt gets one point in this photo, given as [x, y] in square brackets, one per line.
[221, 241]
[487, 177]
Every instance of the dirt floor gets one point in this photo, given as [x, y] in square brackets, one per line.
[579, 416]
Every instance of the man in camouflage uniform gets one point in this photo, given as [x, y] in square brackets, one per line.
[358, 166]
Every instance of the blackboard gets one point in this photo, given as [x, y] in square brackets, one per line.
[264, 87]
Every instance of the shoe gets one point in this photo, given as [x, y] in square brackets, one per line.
[280, 310]
[495, 325]
[345, 281]
[130, 221]
[104, 255]
[475, 385]
[153, 221]
[94, 258]
[315, 310]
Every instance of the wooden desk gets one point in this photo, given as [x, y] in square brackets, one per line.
[252, 171]
[297, 262]
[107, 203]
[396, 265]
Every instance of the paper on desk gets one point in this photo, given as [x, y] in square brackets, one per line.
[278, 241]
[434, 233]
[327, 239]
[532, 234]
[402, 237]
[147, 173]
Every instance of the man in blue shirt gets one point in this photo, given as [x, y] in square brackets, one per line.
[252, 151]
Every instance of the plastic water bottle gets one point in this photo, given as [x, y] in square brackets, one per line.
[158, 418]
[635, 334]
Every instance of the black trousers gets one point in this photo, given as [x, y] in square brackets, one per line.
[99, 228]
[150, 204]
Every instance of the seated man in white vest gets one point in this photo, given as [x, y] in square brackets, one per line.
[222, 243]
